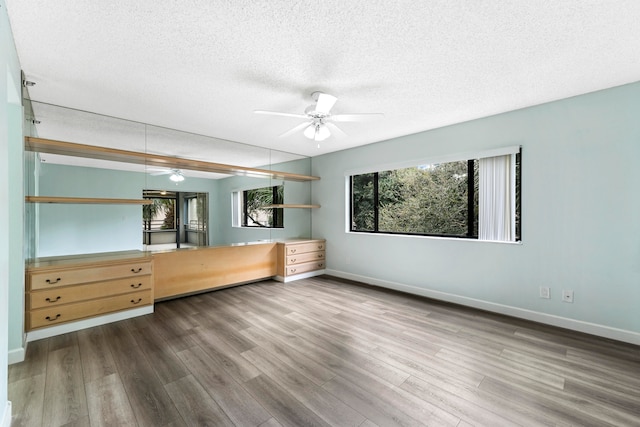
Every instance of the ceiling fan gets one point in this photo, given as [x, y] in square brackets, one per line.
[176, 174]
[318, 123]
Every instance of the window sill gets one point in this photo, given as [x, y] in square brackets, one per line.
[463, 239]
[257, 228]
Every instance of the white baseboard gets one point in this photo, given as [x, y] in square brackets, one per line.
[16, 355]
[52, 331]
[548, 319]
[299, 276]
[6, 417]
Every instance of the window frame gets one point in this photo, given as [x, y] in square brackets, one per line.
[471, 233]
[472, 230]
[240, 208]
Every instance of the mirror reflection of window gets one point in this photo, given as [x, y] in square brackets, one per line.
[174, 220]
[196, 215]
[251, 204]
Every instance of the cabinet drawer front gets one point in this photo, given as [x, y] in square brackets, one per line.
[49, 279]
[304, 247]
[305, 257]
[65, 295]
[65, 313]
[303, 268]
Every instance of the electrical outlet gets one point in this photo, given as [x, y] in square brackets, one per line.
[567, 295]
[545, 292]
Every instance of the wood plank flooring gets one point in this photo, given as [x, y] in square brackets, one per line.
[323, 351]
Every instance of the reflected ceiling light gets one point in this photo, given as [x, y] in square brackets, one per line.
[317, 132]
[176, 176]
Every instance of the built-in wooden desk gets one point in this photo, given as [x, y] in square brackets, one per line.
[190, 270]
[65, 289]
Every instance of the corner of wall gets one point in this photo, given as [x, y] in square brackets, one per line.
[5, 421]
[17, 355]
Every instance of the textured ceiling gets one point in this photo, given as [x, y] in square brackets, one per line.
[203, 66]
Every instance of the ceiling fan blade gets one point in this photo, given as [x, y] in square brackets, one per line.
[335, 130]
[325, 103]
[294, 130]
[362, 117]
[278, 113]
[156, 172]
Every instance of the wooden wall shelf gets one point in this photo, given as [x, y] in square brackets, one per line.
[86, 200]
[154, 160]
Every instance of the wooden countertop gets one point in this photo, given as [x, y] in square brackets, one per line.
[70, 260]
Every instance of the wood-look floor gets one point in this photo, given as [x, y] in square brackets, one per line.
[324, 352]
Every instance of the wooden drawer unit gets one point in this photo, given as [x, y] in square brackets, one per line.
[65, 277]
[304, 257]
[300, 258]
[49, 316]
[307, 246]
[304, 268]
[63, 289]
[68, 294]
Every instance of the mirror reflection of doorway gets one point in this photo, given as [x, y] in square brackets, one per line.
[174, 220]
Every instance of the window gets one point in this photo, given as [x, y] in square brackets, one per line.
[196, 208]
[196, 212]
[474, 198]
[251, 204]
[174, 219]
[161, 213]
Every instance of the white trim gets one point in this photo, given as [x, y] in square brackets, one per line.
[548, 319]
[52, 331]
[17, 355]
[347, 204]
[235, 209]
[419, 236]
[6, 417]
[299, 276]
[502, 151]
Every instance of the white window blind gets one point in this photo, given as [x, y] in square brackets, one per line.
[496, 216]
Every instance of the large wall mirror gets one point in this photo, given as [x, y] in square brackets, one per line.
[66, 229]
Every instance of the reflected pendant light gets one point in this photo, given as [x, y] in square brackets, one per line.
[176, 176]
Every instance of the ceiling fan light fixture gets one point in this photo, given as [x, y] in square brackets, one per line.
[310, 131]
[322, 132]
[317, 132]
[318, 116]
[176, 176]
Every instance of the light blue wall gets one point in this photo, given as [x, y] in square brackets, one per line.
[66, 229]
[580, 217]
[11, 198]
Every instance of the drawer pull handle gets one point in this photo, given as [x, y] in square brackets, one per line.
[321, 264]
[134, 286]
[320, 256]
[293, 270]
[293, 250]
[138, 270]
[50, 319]
[51, 282]
[136, 302]
[320, 247]
[53, 300]
[293, 260]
